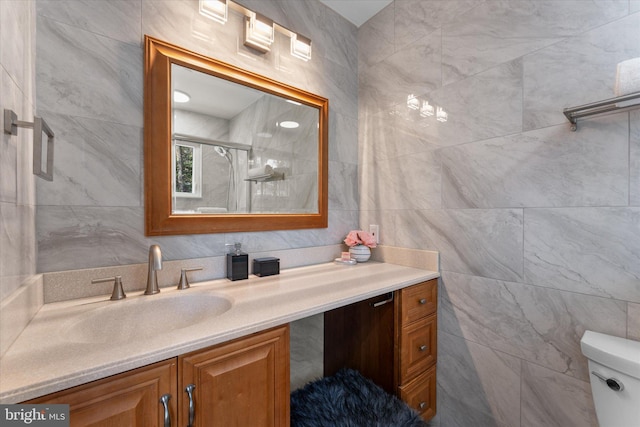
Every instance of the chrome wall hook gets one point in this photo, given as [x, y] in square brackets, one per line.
[11, 125]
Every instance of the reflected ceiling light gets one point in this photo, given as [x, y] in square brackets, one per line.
[441, 115]
[412, 102]
[426, 110]
[293, 102]
[258, 32]
[217, 10]
[300, 47]
[289, 124]
[180, 97]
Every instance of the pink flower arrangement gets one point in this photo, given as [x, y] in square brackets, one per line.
[359, 237]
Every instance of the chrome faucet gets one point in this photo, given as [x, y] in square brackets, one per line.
[155, 263]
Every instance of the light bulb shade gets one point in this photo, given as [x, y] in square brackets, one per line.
[441, 115]
[258, 32]
[218, 10]
[300, 47]
[412, 102]
[426, 110]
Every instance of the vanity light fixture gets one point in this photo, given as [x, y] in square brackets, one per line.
[441, 115]
[426, 110]
[218, 10]
[258, 32]
[412, 102]
[300, 47]
[180, 97]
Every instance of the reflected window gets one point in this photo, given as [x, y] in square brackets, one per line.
[187, 169]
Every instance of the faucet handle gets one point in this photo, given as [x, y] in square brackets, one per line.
[184, 281]
[118, 292]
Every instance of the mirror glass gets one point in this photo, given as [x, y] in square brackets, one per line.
[229, 150]
[237, 149]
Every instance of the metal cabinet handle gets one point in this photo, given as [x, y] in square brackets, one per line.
[422, 405]
[192, 406]
[422, 348]
[423, 301]
[165, 402]
[379, 303]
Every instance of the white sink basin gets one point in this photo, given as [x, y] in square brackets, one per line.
[144, 317]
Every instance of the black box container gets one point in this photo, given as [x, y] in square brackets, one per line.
[267, 266]
[237, 266]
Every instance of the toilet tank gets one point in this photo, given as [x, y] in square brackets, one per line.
[614, 372]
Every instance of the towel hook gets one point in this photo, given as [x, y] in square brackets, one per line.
[11, 125]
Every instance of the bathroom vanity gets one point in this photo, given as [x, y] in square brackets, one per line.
[237, 360]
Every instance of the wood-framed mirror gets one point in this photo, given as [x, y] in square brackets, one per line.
[261, 165]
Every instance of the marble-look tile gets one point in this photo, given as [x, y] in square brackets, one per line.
[343, 186]
[406, 182]
[543, 168]
[477, 386]
[594, 251]
[83, 74]
[486, 105]
[634, 6]
[633, 321]
[84, 237]
[376, 38]
[17, 32]
[414, 69]
[479, 242]
[576, 71]
[117, 19]
[555, 400]
[343, 135]
[307, 350]
[634, 159]
[97, 163]
[417, 18]
[543, 326]
[336, 83]
[498, 31]
[17, 244]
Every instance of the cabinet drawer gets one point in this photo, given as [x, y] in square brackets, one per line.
[418, 301]
[420, 394]
[418, 348]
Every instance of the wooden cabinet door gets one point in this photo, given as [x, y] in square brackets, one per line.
[241, 383]
[129, 399]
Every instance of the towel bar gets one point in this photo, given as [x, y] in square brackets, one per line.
[11, 125]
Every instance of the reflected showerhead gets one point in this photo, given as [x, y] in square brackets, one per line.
[223, 152]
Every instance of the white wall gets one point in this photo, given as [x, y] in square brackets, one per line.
[537, 226]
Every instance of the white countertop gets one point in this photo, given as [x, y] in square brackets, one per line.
[44, 360]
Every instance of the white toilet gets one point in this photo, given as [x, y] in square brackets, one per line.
[614, 370]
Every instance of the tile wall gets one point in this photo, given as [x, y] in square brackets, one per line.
[538, 227]
[17, 182]
[90, 90]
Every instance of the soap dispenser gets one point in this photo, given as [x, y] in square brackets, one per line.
[237, 263]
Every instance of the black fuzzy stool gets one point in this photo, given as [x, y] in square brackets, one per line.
[347, 399]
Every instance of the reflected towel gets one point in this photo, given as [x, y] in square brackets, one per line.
[262, 172]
